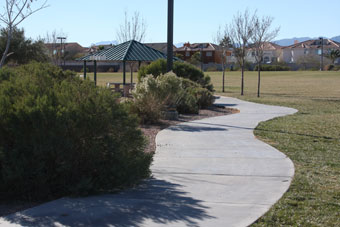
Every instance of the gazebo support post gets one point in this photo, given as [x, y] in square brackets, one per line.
[124, 72]
[131, 69]
[84, 69]
[95, 72]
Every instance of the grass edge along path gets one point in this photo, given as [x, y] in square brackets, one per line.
[311, 139]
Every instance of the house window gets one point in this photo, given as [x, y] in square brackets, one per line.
[208, 54]
[187, 54]
[266, 60]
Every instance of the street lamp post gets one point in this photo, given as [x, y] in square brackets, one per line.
[170, 35]
[321, 55]
[62, 51]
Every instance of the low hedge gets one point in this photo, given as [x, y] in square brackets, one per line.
[62, 136]
[272, 68]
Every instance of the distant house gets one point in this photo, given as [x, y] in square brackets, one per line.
[307, 51]
[68, 50]
[211, 53]
[271, 53]
[162, 47]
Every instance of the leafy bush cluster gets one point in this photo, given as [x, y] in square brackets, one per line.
[332, 67]
[61, 136]
[273, 68]
[154, 95]
[22, 49]
[181, 69]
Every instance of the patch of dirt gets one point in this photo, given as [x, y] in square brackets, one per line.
[150, 131]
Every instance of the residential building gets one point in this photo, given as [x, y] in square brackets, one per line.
[271, 52]
[308, 51]
[210, 53]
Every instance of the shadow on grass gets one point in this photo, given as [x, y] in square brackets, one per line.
[155, 200]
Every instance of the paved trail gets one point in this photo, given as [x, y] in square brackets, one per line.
[210, 172]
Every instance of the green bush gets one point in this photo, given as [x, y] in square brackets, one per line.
[273, 68]
[153, 95]
[181, 69]
[188, 103]
[156, 69]
[329, 67]
[63, 136]
[5, 74]
[204, 98]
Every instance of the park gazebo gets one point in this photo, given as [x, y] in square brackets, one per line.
[130, 51]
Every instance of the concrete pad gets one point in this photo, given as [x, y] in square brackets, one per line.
[211, 172]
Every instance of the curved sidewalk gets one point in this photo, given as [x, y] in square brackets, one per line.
[210, 172]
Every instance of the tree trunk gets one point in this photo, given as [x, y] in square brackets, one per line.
[259, 79]
[9, 38]
[242, 79]
[223, 74]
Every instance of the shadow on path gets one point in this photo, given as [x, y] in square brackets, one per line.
[154, 200]
[190, 128]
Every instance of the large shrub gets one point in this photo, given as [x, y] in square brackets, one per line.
[154, 95]
[181, 69]
[61, 136]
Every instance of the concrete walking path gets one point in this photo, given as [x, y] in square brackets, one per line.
[210, 172]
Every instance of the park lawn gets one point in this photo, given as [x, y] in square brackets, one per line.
[311, 139]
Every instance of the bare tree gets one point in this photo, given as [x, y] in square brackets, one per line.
[224, 43]
[53, 46]
[134, 28]
[261, 36]
[15, 12]
[240, 31]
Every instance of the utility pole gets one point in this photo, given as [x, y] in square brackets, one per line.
[62, 51]
[170, 35]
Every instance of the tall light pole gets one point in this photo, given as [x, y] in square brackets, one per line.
[170, 34]
[61, 48]
[321, 55]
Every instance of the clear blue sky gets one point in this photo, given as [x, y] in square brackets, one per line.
[87, 22]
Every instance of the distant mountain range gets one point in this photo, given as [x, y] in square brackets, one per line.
[281, 42]
[114, 42]
[288, 42]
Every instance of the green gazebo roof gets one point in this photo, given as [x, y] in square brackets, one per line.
[128, 51]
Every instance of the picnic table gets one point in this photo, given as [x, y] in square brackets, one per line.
[124, 89]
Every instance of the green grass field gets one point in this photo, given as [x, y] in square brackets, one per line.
[311, 138]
